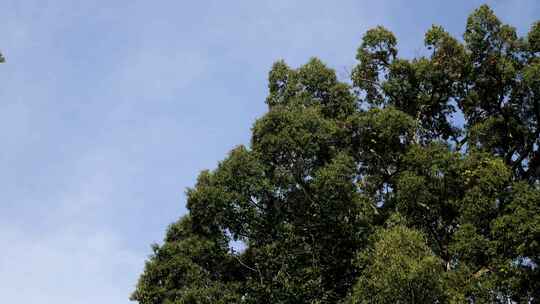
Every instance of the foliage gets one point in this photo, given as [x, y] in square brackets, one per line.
[371, 191]
[400, 268]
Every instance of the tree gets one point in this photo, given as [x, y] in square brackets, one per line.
[369, 191]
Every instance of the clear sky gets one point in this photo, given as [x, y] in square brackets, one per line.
[109, 109]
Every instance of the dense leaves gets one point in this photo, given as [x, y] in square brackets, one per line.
[373, 190]
[400, 268]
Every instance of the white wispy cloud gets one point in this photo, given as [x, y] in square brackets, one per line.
[70, 266]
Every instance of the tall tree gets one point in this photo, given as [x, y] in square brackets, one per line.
[368, 190]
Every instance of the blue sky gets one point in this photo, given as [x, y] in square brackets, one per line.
[109, 109]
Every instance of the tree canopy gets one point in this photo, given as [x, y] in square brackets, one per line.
[414, 181]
